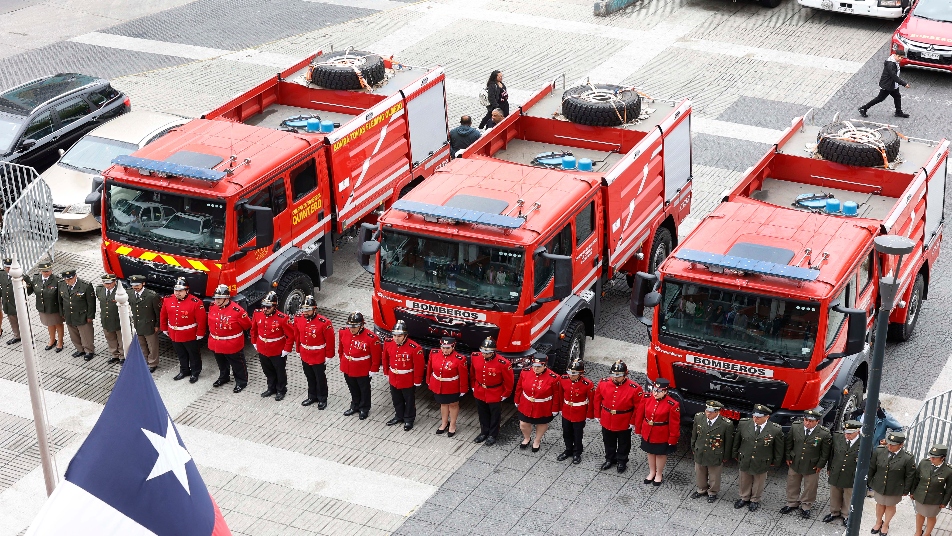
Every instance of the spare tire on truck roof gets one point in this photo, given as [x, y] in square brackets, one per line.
[339, 70]
[601, 105]
[858, 143]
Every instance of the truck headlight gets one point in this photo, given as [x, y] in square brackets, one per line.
[78, 208]
[889, 3]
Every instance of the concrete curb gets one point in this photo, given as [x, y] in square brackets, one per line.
[604, 8]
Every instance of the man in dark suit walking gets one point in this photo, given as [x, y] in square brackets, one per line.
[889, 84]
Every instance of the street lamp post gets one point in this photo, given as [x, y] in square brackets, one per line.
[888, 288]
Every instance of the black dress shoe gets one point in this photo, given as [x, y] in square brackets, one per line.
[193, 379]
[182, 375]
[394, 421]
[88, 357]
[58, 349]
[77, 353]
[536, 449]
[622, 467]
[440, 431]
[753, 506]
[152, 369]
[712, 498]
[874, 531]
[523, 446]
[321, 405]
[649, 481]
[349, 411]
[490, 441]
[238, 389]
[656, 484]
[480, 438]
[13, 340]
[829, 518]
[562, 457]
[49, 347]
[113, 361]
[697, 494]
[363, 415]
[407, 426]
[279, 397]
[862, 112]
[740, 503]
[805, 514]
[269, 392]
[576, 460]
[219, 382]
[607, 465]
[902, 114]
[787, 509]
[450, 434]
[307, 402]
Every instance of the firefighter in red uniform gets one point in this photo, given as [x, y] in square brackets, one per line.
[314, 336]
[448, 378]
[273, 338]
[404, 366]
[616, 399]
[658, 421]
[227, 322]
[183, 319]
[492, 381]
[538, 400]
[359, 353]
[578, 393]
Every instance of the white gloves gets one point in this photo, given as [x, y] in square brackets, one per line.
[461, 395]
[200, 337]
[166, 333]
[284, 353]
[255, 346]
[503, 399]
[372, 374]
[416, 384]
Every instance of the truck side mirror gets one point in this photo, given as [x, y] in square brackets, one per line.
[855, 331]
[367, 247]
[264, 225]
[642, 292]
[563, 275]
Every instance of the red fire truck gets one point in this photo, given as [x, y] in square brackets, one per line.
[772, 298]
[252, 194]
[516, 239]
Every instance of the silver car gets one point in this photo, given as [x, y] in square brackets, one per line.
[71, 178]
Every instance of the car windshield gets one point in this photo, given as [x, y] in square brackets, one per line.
[165, 222]
[95, 154]
[461, 268]
[938, 10]
[731, 318]
[8, 133]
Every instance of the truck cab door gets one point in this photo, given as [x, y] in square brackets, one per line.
[866, 288]
[587, 253]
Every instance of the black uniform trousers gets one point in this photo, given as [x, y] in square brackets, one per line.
[235, 363]
[359, 387]
[572, 434]
[404, 403]
[489, 416]
[316, 381]
[189, 357]
[276, 371]
[883, 93]
[617, 445]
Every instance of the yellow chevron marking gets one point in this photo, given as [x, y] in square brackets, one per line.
[170, 260]
[123, 250]
[218, 265]
[148, 256]
[198, 265]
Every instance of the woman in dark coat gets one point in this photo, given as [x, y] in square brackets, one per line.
[931, 488]
[498, 97]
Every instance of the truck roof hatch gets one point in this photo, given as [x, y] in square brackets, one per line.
[147, 166]
[457, 214]
[717, 262]
[759, 252]
[477, 203]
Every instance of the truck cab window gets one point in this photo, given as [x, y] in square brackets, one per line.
[865, 272]
[585, 223]
[246, 218]
[304, 179]
[836, 319]
[561, 244]
[279, 196]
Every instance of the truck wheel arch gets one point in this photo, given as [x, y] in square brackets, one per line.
[574, 308]
[292, 258]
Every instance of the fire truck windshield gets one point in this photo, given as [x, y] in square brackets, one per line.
[165, 222]
[728, 319]
[451, 267]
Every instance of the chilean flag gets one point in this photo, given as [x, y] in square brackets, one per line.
[132, 476]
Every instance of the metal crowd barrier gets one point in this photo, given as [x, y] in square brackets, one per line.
[933, 424]
[27, 223]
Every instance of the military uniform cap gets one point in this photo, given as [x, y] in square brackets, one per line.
[540, 358]
[761, 410]
[137, 279]
[67, 274]
[812, 414]
[108, 278]
[714, 405]
[7, 262]
[895, 438]
[44, 266]
[662, 383]
[939, 450]
[447, 341]
[852, 425]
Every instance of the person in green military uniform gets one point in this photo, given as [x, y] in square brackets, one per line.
[9, 304]
[109, 317]
[891, 474]
[712, 438]
[757, 446]
[146, 307]
[931, 488]
[47, 305]
[78, 305]
[842, 469]
[807, 449]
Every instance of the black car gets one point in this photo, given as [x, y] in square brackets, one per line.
[51, 113]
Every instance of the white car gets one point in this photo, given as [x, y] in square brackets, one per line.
[71, 178]
[880, 9]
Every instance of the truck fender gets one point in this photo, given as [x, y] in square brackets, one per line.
[848, 369]
[281, 264]
[568, 310]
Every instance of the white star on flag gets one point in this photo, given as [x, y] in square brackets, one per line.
[172, 456]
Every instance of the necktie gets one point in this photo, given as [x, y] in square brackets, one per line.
[759, 428]
[808, 432]
[710, 423]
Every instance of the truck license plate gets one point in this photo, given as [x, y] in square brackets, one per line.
[930, 55]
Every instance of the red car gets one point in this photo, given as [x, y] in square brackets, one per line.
[926, 36]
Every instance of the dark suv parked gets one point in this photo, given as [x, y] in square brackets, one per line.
[45, 115]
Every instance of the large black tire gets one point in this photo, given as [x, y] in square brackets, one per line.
[660, 248]
[856, 399]
[903, 332]
[601, 105]
[292, 289]
[857, 143]
[337, 69]
[572, 347]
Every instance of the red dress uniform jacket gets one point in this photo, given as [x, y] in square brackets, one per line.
[404, 364]
[226, 328]
[577, 399]
[271, 334]
[491, 380]
[184, 320]
[359, 354]
[314, 338]
[616, 405]
[447, 374]
[538, 395]
[659, 421]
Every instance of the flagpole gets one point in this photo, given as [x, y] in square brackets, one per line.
[36, 396]
[125, 314]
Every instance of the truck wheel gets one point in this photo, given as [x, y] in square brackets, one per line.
[854, 400]
[660, 248]
[292, 289]
[338, 70]
[572, 347]
[857, 143]
[601, 105]
[903, 332]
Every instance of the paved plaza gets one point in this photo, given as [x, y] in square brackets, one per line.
[283, 469]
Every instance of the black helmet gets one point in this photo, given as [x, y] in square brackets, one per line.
[489, 345]
[308, 305]
[447, 341]
[577, 366]
[619, 368]
[400, 328]
[180, 284]
[221, 291]
[270, 299]
[355, 319]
